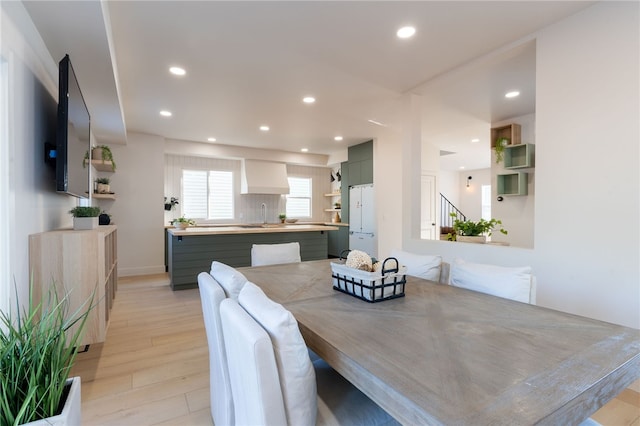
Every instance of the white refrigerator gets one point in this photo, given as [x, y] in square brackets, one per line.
[362, 220]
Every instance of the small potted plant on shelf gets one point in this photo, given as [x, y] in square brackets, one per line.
[101, 153]
[103, 186]
[469, 231]
[182, 223]
[337, 205]
[85, 217]
[37, 351]
[171, 204]
[282, 217]
[500, 144]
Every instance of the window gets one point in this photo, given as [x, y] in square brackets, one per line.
[207, 194]
[486, 202]
[299, 198]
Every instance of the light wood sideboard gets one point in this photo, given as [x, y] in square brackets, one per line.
[78, 262]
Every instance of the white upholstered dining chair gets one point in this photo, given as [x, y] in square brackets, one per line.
[211, 295]
[229, 278]
[264, 346]
[273, 254]
[515, 283]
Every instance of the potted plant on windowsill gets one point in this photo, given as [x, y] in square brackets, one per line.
[37, 351]
[468, 231]
[182, 223]
[85, 217]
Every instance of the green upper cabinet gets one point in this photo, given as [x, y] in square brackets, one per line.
[360, 164]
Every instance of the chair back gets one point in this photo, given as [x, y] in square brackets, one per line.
[211, 295]
[272, 254]
[255, 383]
[513, 283]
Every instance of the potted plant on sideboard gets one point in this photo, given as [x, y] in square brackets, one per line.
[468, 231]
[85, 217]
[37, 351]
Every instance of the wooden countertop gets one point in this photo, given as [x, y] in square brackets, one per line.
[249, 229]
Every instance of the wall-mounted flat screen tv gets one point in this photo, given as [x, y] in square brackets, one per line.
[73, 139]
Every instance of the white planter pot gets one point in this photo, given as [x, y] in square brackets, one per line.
[71, 414]
[81, 223]
[479, 239]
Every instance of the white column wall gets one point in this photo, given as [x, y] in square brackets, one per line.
[587, 159]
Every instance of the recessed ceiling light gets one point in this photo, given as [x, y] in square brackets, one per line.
[461, 167]
[406, 32]
[165, 113]
[305, 150]
[512, 94]
[177, 71]
[337, 138]
[264, 128]
[308, 99]
[475, 140]
[211, 139]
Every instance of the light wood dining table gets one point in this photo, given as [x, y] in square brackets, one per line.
[442, 355]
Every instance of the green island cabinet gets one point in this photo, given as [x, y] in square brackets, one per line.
[187, 256]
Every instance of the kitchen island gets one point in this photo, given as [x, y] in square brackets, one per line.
[191, 251]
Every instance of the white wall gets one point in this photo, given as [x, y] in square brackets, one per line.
[138, 210]
[471, 197]
[586, 168]
[33, 204]
[587, 186]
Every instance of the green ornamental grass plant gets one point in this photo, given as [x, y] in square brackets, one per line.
[37, 351]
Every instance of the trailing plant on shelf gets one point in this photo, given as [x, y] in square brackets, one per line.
[83, 211]
[500, 144]
[100, 152]
[469, 228]
[37, 351]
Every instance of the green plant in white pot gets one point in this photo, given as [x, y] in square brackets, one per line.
[37, 351]
[85, 217]
[474, 232]
[182, 222]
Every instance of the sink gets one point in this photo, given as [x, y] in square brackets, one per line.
[262, 225]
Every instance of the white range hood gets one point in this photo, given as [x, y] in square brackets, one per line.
[264, 177]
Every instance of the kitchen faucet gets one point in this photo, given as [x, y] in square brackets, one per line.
[263, 208]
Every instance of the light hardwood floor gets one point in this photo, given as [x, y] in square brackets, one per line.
[154, 370]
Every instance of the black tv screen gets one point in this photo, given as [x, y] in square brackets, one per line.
[73, 138]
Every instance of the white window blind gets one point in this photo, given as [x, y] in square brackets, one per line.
[299, 198]
[207, 194]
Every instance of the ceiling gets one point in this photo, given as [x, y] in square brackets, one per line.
[251, 63]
